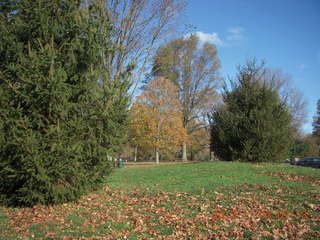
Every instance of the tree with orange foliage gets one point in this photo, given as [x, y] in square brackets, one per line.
[157, 117]
[193, 67]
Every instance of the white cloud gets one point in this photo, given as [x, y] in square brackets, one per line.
[235, 34]
[209, 37]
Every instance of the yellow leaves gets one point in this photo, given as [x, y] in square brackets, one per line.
[157, 117]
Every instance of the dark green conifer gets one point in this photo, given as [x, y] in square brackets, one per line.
[316, 125]
[253, 124]
[60, 113]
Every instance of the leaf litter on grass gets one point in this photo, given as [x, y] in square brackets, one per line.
[292, 177]
[236, 202]
[113, 214]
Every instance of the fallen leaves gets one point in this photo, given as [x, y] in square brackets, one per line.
[293, 177]
[161, 215]
[313, 206]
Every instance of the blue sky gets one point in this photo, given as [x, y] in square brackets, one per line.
[285, 33]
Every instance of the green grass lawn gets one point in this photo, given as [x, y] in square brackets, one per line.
[216, 200]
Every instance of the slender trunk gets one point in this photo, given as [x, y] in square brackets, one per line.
[184, 152]
[135, 153]
[211, 156]
[157, 156]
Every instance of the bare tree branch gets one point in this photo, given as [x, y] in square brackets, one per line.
[140, 26]
[282, 83]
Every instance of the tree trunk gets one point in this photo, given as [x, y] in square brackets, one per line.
[157, 156]
[211, 156]
[135, 153]
[184, 152]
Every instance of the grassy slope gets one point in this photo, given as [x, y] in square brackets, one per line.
[219, 200]
[209, 176]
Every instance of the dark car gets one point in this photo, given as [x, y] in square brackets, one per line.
[309, 162]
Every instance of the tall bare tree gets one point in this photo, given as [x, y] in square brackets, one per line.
[139, 27]
[193, 67]
[294, 98]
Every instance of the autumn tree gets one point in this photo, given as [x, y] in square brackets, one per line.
[253, 124]
[157, 117]
[193, 67]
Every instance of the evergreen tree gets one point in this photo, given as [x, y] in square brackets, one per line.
[60, 113]
[253, 124]
[316, 124]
